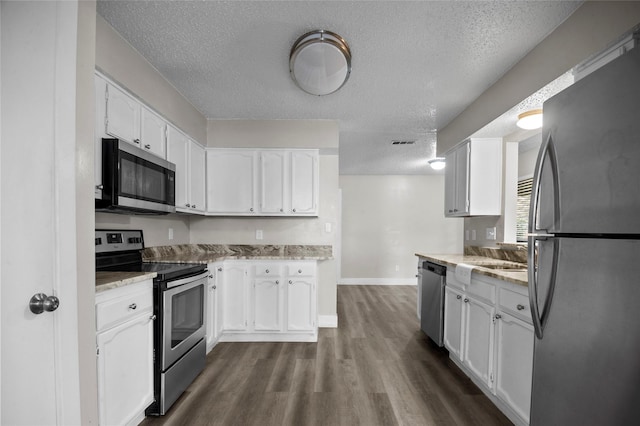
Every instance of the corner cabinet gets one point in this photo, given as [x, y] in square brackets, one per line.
[489, 335]
[473, 178]
[249, 182]
[124, 323]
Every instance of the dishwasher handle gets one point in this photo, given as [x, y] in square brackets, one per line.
[435, 268]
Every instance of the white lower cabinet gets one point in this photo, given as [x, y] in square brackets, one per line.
[268, 301]
[489, 335]
[124, 320]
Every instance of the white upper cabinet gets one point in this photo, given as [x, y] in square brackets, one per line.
[152, 132]
[473, 178]
[189, 159]
[231, 181]
[262, 182]
[123, 115]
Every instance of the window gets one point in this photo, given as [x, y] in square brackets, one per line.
[522, 208]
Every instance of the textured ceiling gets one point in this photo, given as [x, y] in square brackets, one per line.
[416, 65]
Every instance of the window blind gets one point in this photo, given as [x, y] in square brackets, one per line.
[522, 208]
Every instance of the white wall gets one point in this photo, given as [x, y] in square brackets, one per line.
[386, 220]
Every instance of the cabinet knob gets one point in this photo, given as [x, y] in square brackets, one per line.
[520, 307]
[187, 205]
[299, 271]
[458, 297]
[211, 276]
[100, 187]
[466, 300]
[133, 306]
[152, 317]
[277, 282]
[147, 146]
[498, 316]
[214, 287]
[266, 271]
[136, 141]
[294, 210]
[194, 206]
[281, 210]
[290, 282]
[251, 209]
[455, 210]
[220, 269]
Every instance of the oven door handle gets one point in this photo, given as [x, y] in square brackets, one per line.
[176, 283]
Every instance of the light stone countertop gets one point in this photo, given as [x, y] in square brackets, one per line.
[108, 280]
[451, 260]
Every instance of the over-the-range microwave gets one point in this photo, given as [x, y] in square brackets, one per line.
[135, 181]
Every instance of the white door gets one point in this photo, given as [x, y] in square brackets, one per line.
[178, 153]
[197, 178]
[231, 181]
[152, 132]
[234, 297]
[272, 182]
[301, 311]
[123, 116]
[40, 362]
[266, 304]
[478, 339]
[304, 182]
[453, 321]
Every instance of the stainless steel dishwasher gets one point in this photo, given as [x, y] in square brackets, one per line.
[433, 279]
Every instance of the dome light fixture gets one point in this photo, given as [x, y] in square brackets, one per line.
[437, 163]
[320, 62]
[530, 120]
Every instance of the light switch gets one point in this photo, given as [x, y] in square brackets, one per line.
[170, 236]
[327, 227]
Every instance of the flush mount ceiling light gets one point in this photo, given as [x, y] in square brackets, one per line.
[320, 62]
[437, 163]
[530, 120]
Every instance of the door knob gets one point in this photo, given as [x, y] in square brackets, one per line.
[40, 302]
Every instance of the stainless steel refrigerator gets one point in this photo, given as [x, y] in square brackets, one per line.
[584, 252]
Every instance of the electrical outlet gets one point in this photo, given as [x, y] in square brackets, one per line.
[170, 236]
[491, 233]
[473, 235]
[258, 234]
[327, 227]
[397, 268]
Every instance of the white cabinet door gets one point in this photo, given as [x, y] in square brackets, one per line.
[231, 181]
[214, 323]
[234, 296]
[461, 206]
[514, 363]
[267, 305]
[178, 153]
[197, 177]
[123, 116]
[152, 132]
[450, 183]
[478, 339]
[301, 309]
[304, 182]
[272, 181]
[453, 321]
[125, 371]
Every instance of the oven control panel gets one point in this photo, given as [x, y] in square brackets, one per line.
[111, 240]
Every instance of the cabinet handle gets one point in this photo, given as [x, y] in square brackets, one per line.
[214, 287]
[152, 317]
[211, 276]
[251, 209]
[458, 297]
[266, 271]
[133, 306]
[188, 205]
[277, 282]
[281, 210]
[194, 206]
[498, 316]
[520, 307]
[450, 211]
[100, 187]
[294, 210]
[290, 282]
[455, 210]
[466, 300]
[136, 141]
[299, 271]
[147, 146]
[220, 269]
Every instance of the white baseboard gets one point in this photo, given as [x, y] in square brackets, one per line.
[328, 321]
[377, 281]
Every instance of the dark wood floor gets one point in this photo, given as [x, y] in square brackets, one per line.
[377, 368]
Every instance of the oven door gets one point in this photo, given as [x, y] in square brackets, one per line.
[182, 317]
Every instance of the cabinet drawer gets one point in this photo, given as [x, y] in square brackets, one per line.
[482, 289]
[515, 303]
[301, 269]
[266, 270]
[119, 309]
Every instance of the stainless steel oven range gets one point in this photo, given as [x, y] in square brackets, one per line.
[179, 295]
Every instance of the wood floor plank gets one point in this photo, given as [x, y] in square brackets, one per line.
[376, 369]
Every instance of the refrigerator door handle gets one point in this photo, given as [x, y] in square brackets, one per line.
[546, 149]
[539, 316]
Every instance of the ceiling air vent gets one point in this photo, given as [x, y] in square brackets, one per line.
[402, 142]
